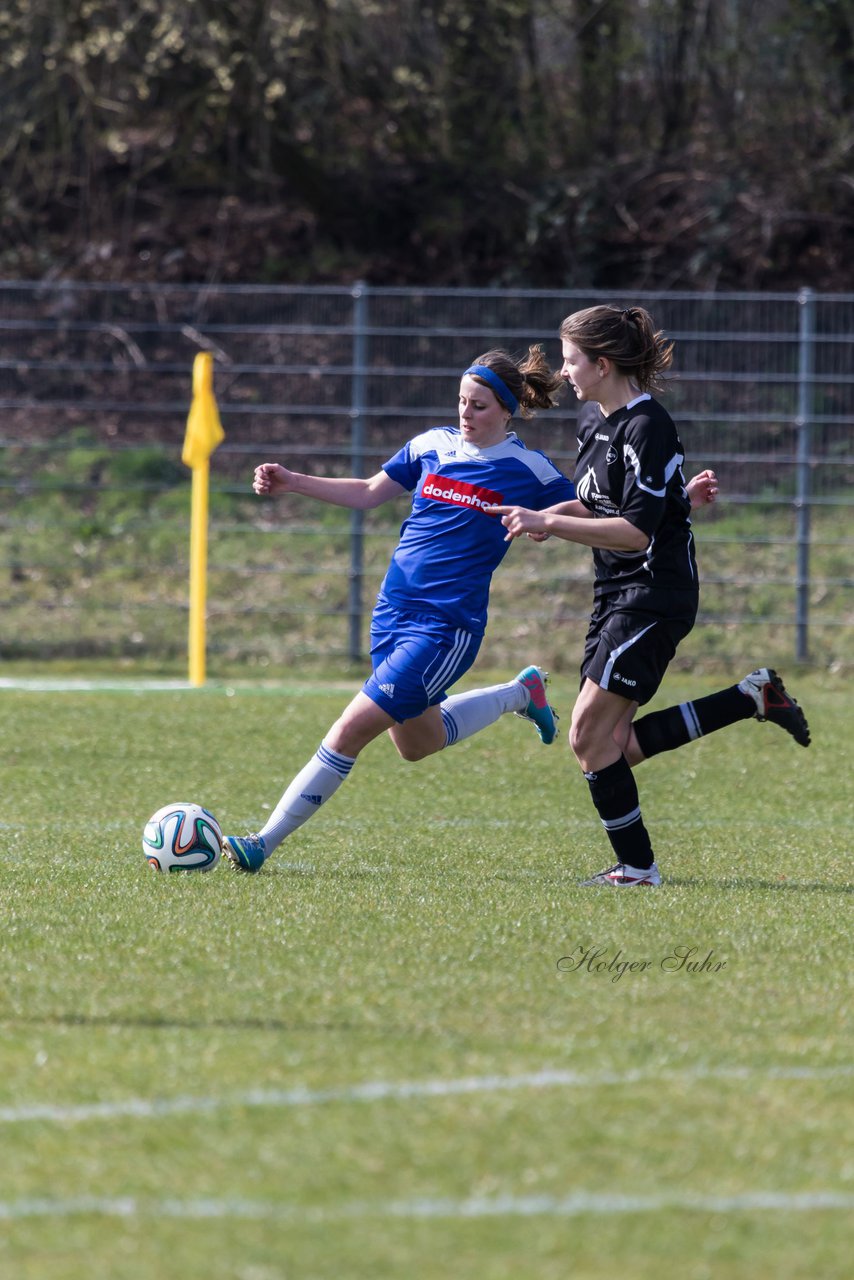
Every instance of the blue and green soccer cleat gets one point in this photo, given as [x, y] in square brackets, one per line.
[538, 711]
[245, 853]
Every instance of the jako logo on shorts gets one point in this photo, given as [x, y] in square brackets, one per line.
[458, 493]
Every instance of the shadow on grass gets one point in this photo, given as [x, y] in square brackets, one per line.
[751, 882]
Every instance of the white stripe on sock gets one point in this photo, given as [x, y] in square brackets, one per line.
[692, 724]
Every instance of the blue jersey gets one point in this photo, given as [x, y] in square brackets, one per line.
[449, 547]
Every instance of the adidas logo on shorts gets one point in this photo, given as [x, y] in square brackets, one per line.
[388, 690]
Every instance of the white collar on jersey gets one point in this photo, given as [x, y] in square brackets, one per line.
[511, 440]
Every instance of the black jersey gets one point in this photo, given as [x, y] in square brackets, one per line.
[630, 465]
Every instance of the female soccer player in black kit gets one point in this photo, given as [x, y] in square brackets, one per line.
[632, 510]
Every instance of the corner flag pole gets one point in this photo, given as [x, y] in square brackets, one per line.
[204, 434]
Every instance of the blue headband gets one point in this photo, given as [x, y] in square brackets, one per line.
[500, 388]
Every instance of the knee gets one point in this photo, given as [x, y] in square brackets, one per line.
[578, 744]
[411, 752]
[414, 742]
[588, 740]
[580, 736]
[346, 743]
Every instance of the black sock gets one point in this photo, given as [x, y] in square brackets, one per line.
[615, 795]
[672, 728]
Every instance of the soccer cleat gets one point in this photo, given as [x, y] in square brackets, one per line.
[538, 711]
[624, 876]
[773, 703]
[245, 853]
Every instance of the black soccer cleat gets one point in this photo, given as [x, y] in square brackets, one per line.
[767, 690]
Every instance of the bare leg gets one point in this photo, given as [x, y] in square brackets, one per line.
[601, 726]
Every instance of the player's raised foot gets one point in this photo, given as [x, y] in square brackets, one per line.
[622, 876]
[767, 690]
[538, 711]
[245, 853]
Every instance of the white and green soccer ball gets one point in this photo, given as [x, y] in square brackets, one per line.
[182, 837]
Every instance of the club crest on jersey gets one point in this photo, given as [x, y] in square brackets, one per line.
[459, 493]
[587, 487]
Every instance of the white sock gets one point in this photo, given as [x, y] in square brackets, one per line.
[311, 788]
[464, 714]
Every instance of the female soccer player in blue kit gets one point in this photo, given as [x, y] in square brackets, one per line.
[632, 510]
[430, 614]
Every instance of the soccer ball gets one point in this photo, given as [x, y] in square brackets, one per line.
[182, 837]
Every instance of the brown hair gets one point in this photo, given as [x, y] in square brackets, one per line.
[528, 378]
[625, 335]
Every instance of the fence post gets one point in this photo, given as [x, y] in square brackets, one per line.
[357, 444]
[803, 422]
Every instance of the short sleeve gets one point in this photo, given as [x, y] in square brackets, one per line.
[404, 467]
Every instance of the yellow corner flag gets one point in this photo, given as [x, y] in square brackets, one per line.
[204, 429]
[204, 434]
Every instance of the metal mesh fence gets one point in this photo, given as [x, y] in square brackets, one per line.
[94, 390]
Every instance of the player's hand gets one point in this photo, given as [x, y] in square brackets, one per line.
[271, 477]
[518, 520]
[702, 488]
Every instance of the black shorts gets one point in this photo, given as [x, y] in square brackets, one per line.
[632, 637]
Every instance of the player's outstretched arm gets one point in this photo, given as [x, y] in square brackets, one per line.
[702, 488]
[575, 507]
[613, 532]
[272, 478]
[572, 508]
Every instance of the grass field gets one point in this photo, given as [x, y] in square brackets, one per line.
[392, 1054]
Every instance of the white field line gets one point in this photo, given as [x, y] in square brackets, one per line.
[383, 1090]
[73, 684]
[577, 1204]
[81, 684]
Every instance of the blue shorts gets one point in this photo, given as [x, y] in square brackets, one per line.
[416, 657]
